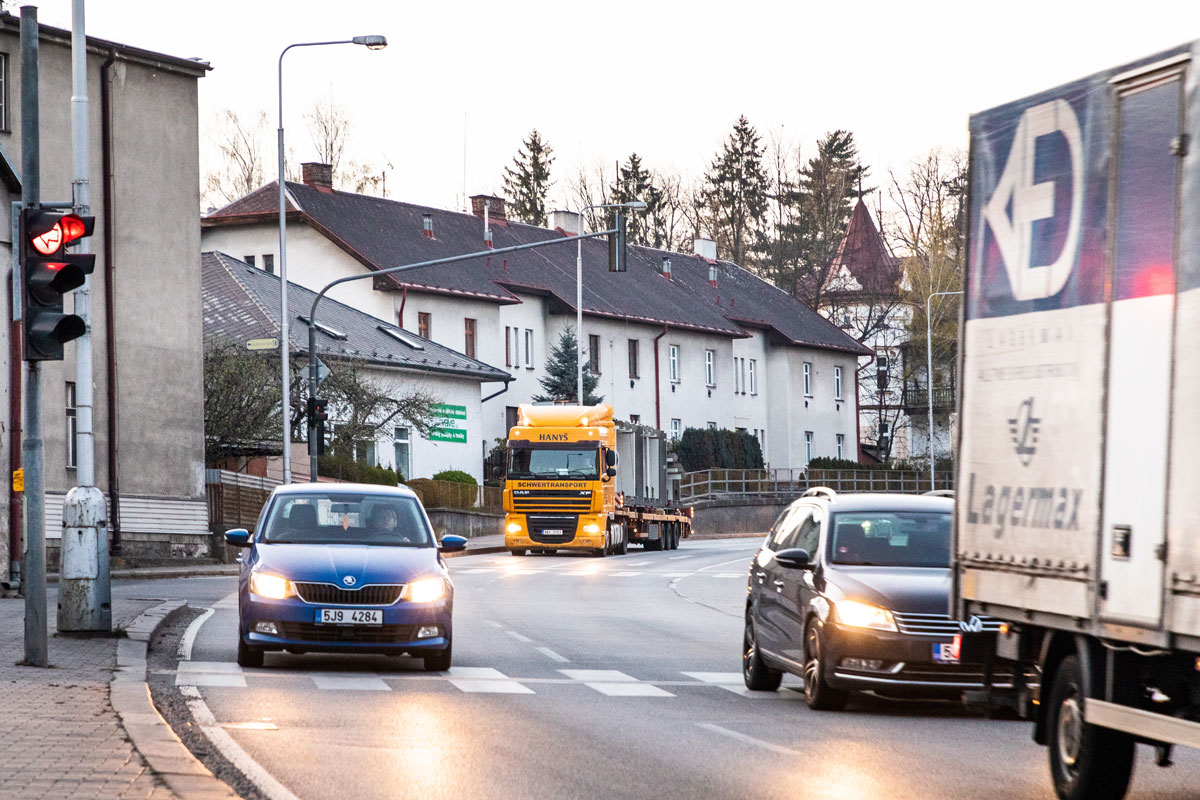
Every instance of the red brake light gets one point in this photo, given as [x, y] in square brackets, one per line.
[51, 241]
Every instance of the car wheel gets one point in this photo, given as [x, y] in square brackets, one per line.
[248, 656]
[439, 662]
[757, 675]
[1086, 761]
[517, 551]
[819, 695]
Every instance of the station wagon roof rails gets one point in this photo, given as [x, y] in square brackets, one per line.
[821, 491]
[940, 493]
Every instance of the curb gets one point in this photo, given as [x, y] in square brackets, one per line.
[149, 733]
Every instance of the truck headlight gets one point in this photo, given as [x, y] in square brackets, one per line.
[425, 590]
[513, 527]
[864, 615]
[591, 527]
[272, 587]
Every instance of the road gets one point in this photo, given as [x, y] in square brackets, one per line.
[579, 677]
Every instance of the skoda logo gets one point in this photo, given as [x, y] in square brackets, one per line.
[1024, 429]
[973, 625]
[348, 580]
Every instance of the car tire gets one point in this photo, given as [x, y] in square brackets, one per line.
[517, 551]
[441, 661]
[755, 672]
[1086, 761]
[819, 695]
[248, 656]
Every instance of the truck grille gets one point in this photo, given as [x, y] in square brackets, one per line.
[330, 594]
[937, 624]
[575, 500]
[543, 527]
[359, 634]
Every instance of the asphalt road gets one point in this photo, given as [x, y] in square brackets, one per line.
[579, 677]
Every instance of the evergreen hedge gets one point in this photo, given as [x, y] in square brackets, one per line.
[347, 469]
[455, 476]
[709, 448]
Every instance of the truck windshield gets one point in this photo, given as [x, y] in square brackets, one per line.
[891, 539]
[554, 462]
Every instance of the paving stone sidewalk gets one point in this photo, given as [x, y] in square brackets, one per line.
[59, 736]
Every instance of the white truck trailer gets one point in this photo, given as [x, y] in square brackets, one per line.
[1078, 505]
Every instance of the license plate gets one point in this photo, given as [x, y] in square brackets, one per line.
[945, 653]
[349, 616]
[552, 532]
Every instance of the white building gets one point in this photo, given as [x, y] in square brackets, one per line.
[680, 340]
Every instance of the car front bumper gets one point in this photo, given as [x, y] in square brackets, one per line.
[297, 628]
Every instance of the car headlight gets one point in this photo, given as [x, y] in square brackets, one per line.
[425, 590]
[864, 615]
[272, 587]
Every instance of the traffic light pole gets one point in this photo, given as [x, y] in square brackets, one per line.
[312, 315]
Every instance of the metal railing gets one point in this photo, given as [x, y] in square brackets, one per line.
[791, 483]
[916, 398]
[448, 494]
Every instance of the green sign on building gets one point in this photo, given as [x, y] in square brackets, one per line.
[448, 430]
[456, 435]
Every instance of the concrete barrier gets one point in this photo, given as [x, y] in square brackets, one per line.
[462, 522]
[737, 515]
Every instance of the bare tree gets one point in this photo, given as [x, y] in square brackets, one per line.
[240, 169]
[329, 129]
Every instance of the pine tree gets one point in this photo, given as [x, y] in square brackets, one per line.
[527, 181]
[561, 381]
[735, 191]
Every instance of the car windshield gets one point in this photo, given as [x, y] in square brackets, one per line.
[569, 461]
[343, 518]
[891, 538]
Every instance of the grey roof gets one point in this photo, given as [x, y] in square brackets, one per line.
[242, 302]
[385, 233]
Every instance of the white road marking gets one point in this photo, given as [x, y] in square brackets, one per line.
[189, 636]
[716, 677]
[676, 558]
[629, 689]
[355, 684]
[673, 574]
[786, 693]
[604, 675]
[493, 623]
[483, 673]
[553, 656]
[625, 574]
[741, 737]
[741, 560]
[638, 563]
[210, 679]
[472, 571]
[227, 667]
[728, 575]
[491, 687]
[518, 636]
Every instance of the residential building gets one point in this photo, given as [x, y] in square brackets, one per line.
[679, 340]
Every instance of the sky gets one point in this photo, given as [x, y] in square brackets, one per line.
[449, 101]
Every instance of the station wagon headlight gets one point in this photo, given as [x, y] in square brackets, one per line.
[425, 590]
[272, 587]
[864, 615]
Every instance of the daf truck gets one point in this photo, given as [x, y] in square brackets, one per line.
[580, 480]
[1077, 508]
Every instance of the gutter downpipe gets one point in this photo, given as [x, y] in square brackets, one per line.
[110, 312]
[496, 394]
[657, 403]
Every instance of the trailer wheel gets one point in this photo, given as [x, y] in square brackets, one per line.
[1086, 761]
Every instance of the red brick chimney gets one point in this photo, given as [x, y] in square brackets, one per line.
[495, 210]
[318, 176]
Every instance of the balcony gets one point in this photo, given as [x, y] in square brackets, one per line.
[916, 399]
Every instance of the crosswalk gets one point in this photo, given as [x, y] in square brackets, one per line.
[509, 567]
[467, 680]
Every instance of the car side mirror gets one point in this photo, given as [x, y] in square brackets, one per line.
[794, 558]
[237, 537]
[453, 544]
[610, 458]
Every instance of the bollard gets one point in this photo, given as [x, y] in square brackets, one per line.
[81, 604]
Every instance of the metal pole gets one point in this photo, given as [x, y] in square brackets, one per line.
[31, 446]
[284, 342]
[929, 379]
[579, 313]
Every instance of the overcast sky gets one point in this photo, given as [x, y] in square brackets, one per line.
[601, 80]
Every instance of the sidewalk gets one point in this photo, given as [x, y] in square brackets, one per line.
[61, 737]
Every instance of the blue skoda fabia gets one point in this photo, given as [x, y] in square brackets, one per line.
[349, 568]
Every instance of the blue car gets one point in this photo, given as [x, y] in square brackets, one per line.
[346, 568]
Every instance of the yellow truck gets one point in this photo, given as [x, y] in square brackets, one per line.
[580, 480]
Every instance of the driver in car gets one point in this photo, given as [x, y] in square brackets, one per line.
[385, 525]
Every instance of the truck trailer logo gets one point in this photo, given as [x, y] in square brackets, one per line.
[552, 437]
[1017, 202]
[1024, 429]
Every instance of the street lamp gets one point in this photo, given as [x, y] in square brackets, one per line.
[929, 377]
[636, 205]
[373, 42]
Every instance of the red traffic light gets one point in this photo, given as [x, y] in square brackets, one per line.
[66, 229]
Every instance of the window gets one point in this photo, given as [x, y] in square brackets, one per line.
[676, 428]
[808, 535]
[633, 358]
[72, 426]
[249, 260]
[807, 379]
[753, 376]
[594, 353]
[881, 371]
[469, 337]
[808, 439]
[269, 262]
[710, 368]
[841, 443]
[884, 443]
[510, 417]
[402, 444]
[742, 375]
[673, 359]
[712, 426]
[423, 324]
[837, 383]
[528, 348]
[508, 346]
[4, 92]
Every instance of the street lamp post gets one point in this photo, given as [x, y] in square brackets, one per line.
[636, 205]
[929, 377]
[373, 42]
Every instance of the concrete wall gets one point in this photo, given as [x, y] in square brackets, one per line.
[465, 523]
[743, 515]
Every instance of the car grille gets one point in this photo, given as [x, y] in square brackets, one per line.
[331, 594]
[540, 524]
[552, 500]
[937, 624]
[358, 634]
[953, 673]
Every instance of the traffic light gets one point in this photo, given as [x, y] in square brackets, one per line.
[48, 273]
[616, 244]
[317, 414]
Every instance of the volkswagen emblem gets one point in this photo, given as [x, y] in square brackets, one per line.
[973, 625]
[348, 580]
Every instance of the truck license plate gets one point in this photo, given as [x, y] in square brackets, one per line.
[350, 616]
[552, 532]
[945, 653]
